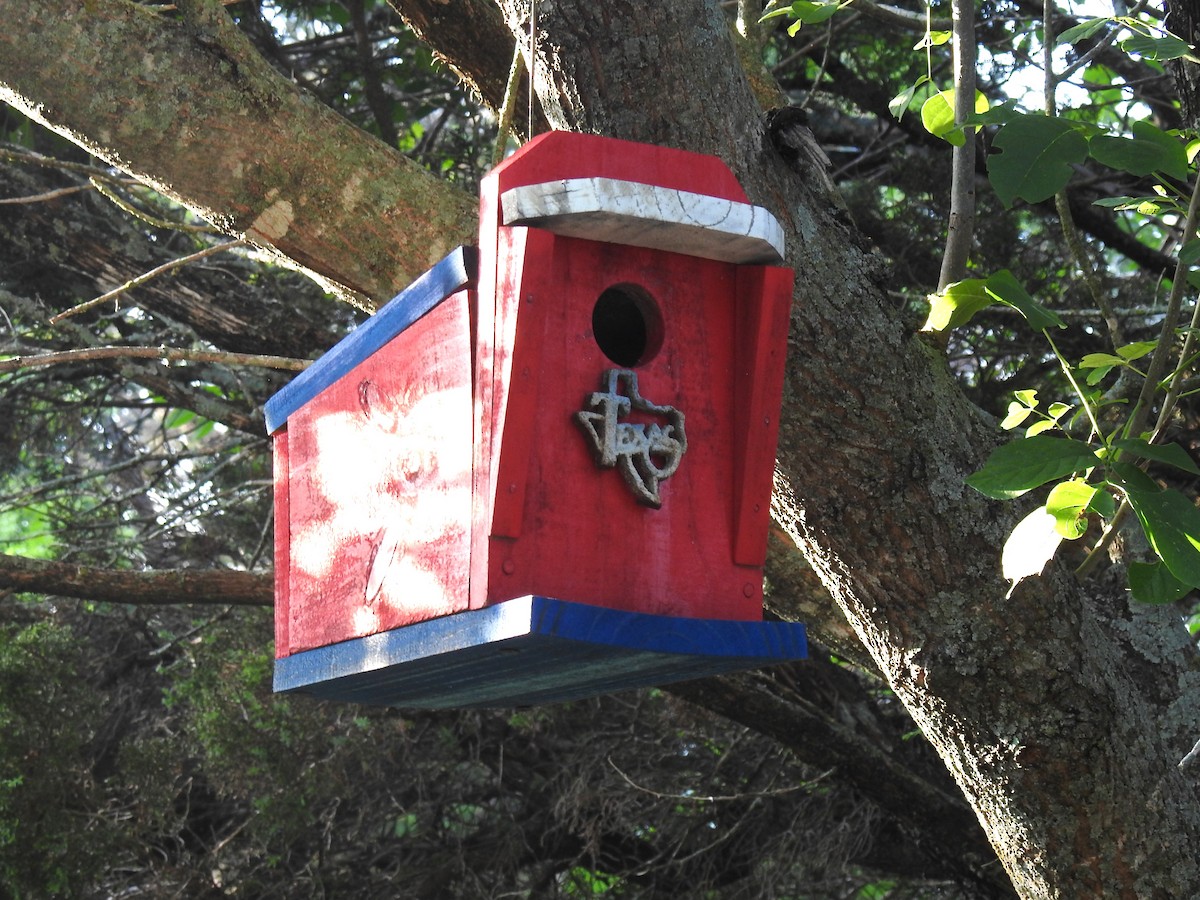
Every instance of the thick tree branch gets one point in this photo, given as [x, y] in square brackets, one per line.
[161, 586]
[191, 108]
[871, 767]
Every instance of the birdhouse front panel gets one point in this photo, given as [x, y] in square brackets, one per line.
[629, 436]
[615, 478]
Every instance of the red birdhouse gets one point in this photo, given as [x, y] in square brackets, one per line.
[543, 471]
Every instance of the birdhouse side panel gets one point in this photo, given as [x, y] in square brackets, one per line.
[279, 443]
[380, 487]
[764, 300]
[640, 344]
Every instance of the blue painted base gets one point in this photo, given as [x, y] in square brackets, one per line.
[532, 650]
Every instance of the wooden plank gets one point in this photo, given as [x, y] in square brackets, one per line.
[558, 155]
[452, 274]
[532, 650]
[645, 215]
[283, 542]
[764, 299]
[520, 327]
[380, 487]
[483, 418]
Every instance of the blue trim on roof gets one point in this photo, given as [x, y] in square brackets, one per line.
[452, 274]
[532, 650]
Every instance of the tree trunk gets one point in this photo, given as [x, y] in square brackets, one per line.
[1061, 712]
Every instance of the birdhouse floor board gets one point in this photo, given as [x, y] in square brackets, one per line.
[449, 276]
[532, 650]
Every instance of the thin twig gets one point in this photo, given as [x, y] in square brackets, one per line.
[1079, 255]
[141, 214]
[698, 798]
[167, 354]
[960, 228]
[504, 128]
[1158, 361]
[28, 157]
[1154, 374]
[902, 17]
[48, 195]
[147, 276]
[1099, 47]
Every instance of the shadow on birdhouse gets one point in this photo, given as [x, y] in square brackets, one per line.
[543, 471]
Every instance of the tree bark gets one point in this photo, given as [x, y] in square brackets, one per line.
[1061, 712]
[190, 107]
[1025, 699]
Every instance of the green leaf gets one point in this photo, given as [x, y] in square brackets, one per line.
[1172, 146]
[1154, 583]
[1031, 545]
[1068, 502]
[1146, 206]
[1005, 288]
[1058, 410]
[899, 104]
[1039, 426]
[1172, 525]
[178, 417]
[937, 115]
[1103, 504]
[1131, 478]
[1016, 415]
[1016, 468]
[1150, 149]
[1189, 253]
[933, 39]
[957, 304]
[1036, 159]
[996, 115]
[1028, 396]
[1082, 31]
[806, 12]
[1165, 47]
[1171, 454]
[1136, 350]
[1096, 360]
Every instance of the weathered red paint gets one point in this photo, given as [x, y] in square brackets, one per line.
[446, 471]
[380, 498]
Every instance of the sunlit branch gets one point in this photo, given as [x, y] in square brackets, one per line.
[166, 354]
[155, 586]
[141, 214]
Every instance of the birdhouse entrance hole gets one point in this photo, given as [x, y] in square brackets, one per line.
[627, 325]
